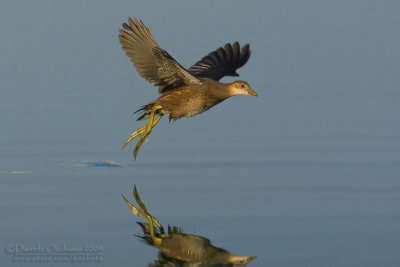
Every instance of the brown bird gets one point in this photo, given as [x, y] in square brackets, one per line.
[184, 93]
[178, 247]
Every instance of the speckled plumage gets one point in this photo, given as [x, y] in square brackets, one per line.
[191, 99]
[184, 93]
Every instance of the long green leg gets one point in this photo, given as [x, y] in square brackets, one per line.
[142, 212]
[141, 130]
[144, 130]
[144, 135]
[152, 113]
[144, 209]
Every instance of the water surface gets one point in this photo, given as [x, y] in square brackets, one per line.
[307, 174]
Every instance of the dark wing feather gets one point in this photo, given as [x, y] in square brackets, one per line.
[150, 60]
[221, 62]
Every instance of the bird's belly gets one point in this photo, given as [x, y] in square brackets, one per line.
[179, 104]
[194, 106]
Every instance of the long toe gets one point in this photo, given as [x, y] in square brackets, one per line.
[143, 137]
[135, 134]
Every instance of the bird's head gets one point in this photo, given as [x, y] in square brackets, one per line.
[240, 260]
[241, 88]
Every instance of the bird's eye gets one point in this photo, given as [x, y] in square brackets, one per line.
[242, 85]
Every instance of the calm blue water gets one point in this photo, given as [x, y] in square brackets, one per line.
[307, 174]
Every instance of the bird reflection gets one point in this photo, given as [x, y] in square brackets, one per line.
[178, 249]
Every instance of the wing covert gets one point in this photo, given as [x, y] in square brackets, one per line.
[151, 61]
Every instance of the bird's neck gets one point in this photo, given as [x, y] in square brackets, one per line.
[220, 90]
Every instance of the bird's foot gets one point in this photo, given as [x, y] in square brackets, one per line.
[142, 212]
[136, 133]
[144, 131]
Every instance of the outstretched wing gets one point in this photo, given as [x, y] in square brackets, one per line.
[221, 62]
[150, 60]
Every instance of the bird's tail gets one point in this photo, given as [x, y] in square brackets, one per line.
[157, 232]
[146, 111]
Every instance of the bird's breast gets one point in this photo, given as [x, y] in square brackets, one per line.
[187, 102]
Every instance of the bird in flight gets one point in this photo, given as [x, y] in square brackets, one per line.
[183, 93]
